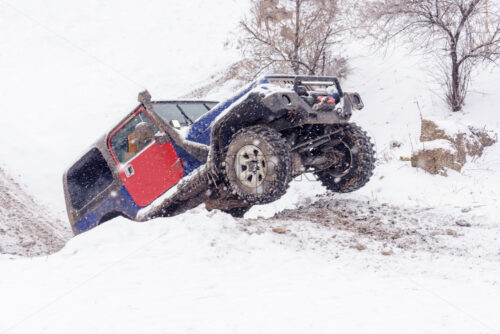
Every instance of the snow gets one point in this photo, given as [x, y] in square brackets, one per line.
[201, 273]
[391, 257]
[75, 68]
[26, 227]
[392, 114]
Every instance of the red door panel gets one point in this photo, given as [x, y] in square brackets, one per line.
[152, 172]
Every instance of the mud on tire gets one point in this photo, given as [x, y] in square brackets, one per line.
[257, 164]
[361, 162]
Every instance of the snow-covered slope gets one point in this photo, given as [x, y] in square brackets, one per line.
[398, 91]
[26, 226]
[409, 252]
[210, 273]
[72, 69]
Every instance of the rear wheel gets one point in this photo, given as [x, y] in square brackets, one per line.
[257, 164]
[356, 161]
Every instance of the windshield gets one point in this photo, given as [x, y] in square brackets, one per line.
[185, 112]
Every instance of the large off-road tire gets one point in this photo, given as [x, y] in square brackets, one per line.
[257, 164]
[357, 165]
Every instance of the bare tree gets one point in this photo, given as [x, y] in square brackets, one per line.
[464, 33]
[298, 36]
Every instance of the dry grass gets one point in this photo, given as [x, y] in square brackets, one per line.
[465, 144]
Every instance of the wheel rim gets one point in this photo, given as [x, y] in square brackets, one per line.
[251, 166]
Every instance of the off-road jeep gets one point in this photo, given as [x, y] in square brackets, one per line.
[167, 157]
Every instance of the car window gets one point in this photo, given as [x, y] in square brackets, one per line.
[126, 143]
[87, 178]
[185, 113]
[168, 112]
[193, 110]
[210, 105]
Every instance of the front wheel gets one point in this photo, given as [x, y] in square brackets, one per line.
[258, 165]
[355, 167]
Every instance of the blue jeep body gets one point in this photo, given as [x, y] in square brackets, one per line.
[177, 166]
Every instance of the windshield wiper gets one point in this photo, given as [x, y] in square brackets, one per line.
[189, 120]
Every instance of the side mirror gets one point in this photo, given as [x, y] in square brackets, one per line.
[356, 101]
[175, 123]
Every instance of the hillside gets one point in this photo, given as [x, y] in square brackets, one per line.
[408, 253]
[27, 227]
[329, 266]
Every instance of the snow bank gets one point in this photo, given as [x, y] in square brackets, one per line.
[399, 91]
[351, 263]
[26, 227]
[199, 273]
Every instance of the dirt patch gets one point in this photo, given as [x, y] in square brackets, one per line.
[435, 161]
[430, 131]
[334, 224]
[26, 227]
[384, 223]
[438, 158]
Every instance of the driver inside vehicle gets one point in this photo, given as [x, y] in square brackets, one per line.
[143, 135]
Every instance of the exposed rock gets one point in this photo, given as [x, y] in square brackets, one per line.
[386, 252]
[463, 223]
[451, 232]
[358, 246]
[279, 230]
